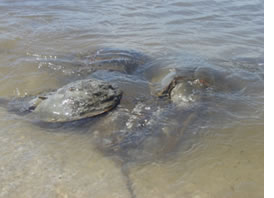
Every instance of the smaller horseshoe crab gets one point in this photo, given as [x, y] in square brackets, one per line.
[74, 101]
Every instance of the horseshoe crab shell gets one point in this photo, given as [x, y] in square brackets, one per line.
[75, 101]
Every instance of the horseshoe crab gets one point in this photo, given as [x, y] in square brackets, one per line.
[74, 101]
[145, 126]
[80, 98]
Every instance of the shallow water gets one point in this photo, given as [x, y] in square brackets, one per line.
[219, 155]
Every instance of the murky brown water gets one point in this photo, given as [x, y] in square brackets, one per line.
[220, 155]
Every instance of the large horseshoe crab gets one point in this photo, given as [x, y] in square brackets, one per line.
[81, 98]
[140, 123]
